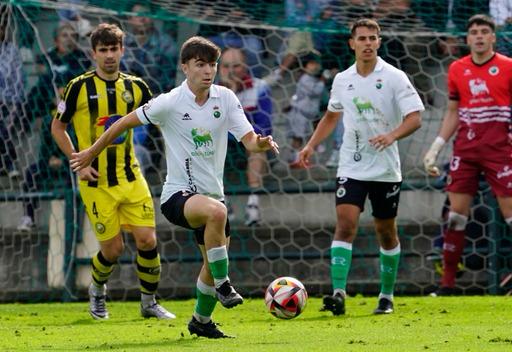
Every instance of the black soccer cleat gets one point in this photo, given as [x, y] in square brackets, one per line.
[208, 330]
[443, 291]
[227, 295]
[385, 306]
[334, 304]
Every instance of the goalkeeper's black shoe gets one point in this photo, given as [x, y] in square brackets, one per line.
[227, 295]
[385, 306]
[208, 330]
[334, 304]
[444, 291]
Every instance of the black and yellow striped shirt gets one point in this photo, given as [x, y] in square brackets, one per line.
[93, 105]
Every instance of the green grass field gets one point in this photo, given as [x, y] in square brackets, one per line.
[418, 324]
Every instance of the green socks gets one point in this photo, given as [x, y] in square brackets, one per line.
[341, 258]
[218, 264]
[389, 260]
[205, 303]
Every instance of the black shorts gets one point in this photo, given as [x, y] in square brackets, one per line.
[384, 196]
[173, 211]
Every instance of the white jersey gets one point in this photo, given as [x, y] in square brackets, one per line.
[195, 137]
[371, 105]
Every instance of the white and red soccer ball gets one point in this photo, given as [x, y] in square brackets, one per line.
[286, 297]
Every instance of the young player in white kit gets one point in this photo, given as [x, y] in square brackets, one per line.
[195, 119]
[379, 107]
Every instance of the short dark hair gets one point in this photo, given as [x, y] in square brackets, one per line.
[364, 22]
[199, 48]
[107, 34]
[481, 20]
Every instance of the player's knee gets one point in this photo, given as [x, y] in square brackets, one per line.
[113, 253]
[146, 243]
[456, 221]
[345, 234]
[218, 212]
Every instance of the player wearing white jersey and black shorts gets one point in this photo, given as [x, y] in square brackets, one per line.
[379, 106]
[195, 119]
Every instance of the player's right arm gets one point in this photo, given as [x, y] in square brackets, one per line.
[448, 128]
[61, 137]
[323, 130]
[85, 157]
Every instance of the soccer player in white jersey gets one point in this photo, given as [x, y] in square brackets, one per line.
[195, 119]
[379, 107]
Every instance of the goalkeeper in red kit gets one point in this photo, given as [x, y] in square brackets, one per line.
[479, 110]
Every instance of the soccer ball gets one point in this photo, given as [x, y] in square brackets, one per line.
[286, 297]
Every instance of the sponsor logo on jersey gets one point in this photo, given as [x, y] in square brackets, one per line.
[203, 143]
[350, 87]
[363, 106]
[108, 121]
[467, 72]
[507, 171]
[96, 96]
[186, 116]
[478, 86]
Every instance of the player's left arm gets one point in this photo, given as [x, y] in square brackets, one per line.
[85, 157]
[257, 143]
[410, 124]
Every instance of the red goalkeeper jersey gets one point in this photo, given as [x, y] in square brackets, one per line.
[484, 93]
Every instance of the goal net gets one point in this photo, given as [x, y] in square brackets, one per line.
[46, 242]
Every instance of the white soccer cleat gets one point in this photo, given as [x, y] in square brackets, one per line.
[156, 311]
[98, 303]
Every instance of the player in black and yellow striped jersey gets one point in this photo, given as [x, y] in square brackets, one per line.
[93, 104]
[113, 188]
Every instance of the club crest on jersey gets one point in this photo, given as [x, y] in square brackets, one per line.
[378, 85]
[216, 112]
[494, 70]
[127, 97]
[100, 228]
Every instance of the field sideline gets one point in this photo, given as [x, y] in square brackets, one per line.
[418, 324]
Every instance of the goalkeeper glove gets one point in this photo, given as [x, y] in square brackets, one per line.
[429, 161]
